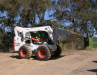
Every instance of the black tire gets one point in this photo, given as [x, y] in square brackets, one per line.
[43, 53]
[58, 51]
[25, 52]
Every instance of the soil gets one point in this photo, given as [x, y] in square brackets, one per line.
[71, 62]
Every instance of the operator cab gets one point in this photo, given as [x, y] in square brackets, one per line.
[40, 37]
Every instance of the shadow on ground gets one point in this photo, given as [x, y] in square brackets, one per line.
[15, 56]
[52, 58]
[34, 57]
[93, 70]
[55, 58]
[94, 61]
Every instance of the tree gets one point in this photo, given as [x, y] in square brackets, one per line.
[10, 8]
[31, 10]
[80, 13]
[21, 13]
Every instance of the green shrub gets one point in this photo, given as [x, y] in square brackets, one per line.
[88, 48]
[62, 46]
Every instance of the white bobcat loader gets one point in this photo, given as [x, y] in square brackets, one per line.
[41, 41]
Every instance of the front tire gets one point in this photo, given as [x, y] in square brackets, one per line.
[43, 53]
[25, 52]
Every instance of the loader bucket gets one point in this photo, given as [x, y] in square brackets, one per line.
[59, 34]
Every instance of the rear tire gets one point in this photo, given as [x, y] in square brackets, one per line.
[25, 52]
[43, 53]
[58, 51]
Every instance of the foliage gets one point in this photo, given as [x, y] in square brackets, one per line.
[1, 37]
[88, 48]
[20, 13]
[31, 10]
[82, 14]
[63, 46]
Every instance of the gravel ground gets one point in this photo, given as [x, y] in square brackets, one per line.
[76, 62]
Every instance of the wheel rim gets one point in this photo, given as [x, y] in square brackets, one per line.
[23, 52]
[42, 53]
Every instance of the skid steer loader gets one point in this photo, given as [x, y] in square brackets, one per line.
[41, 41]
